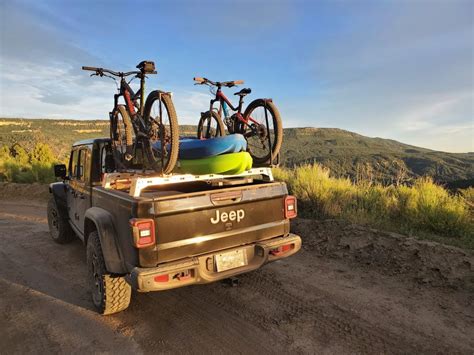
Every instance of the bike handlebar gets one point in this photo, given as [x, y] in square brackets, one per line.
[101, 71]
[90, 68]
[228, 84]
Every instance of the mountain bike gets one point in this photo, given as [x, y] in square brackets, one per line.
[149, 127]
[260, 124]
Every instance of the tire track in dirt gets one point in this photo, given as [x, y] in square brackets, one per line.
[52, 280]
[305, 304]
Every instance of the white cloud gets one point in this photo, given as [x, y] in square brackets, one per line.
[428, 114]
[189, 105]
[48, 91]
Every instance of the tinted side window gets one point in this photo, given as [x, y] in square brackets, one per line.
[81, 165]
[73, 164]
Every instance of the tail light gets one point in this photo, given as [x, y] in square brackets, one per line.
[162, 278]
[290, 207]
[282, 249]
[143, 231]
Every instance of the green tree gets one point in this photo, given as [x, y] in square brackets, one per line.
[18, 165]
[42, 154]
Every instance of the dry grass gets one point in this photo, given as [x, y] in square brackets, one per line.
[13, 123]
[424, 209]
[87, 130]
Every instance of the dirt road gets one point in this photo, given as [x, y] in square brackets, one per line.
[314, 302]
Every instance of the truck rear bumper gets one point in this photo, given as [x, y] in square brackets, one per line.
[203, 269]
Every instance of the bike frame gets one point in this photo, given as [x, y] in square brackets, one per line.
[140, 126]
[221, 98]
[130, 98]
[230, 121]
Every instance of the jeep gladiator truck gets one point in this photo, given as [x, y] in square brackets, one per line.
[153, 233]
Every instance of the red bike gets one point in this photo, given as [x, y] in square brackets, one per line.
[260, 124]
[148, 127]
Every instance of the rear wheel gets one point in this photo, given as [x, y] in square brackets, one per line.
[110, 294]
[210, 125]
[263, 141]
[123, 137]
[162, 148]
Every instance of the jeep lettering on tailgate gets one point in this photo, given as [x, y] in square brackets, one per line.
[231, 216]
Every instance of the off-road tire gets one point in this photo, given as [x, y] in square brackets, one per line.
[59, 228]
[220, 128]
[172, 158]
[277, 128]
[110, 294]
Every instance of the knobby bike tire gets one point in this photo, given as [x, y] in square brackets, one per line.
[117, 131]
[168, 105]
[220, 129]
[277, 128]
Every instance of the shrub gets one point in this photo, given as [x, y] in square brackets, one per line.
[17, 165]
[421, 207]
[468, 196]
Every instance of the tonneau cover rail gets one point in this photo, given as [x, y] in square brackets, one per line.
[136, 182]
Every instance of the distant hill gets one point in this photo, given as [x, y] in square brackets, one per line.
[345, 153]
[351, 154]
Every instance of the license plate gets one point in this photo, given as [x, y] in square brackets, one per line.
[231, 260]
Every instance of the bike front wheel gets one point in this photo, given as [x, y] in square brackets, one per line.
[263, 130]
[210, 125]
[162, 144]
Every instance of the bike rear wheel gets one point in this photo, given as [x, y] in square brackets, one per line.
[210, 126]
[263, 141]
[163, 145]
[122, 136]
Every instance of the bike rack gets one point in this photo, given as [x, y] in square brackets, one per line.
[136, 182]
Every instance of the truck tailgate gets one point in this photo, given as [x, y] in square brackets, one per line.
[196, 223]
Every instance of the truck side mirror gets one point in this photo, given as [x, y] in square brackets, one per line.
[60, 171]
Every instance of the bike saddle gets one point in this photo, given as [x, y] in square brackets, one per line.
[244, 92]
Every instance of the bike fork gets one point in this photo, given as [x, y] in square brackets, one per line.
[268, 134]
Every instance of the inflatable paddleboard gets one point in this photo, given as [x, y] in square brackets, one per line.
[226, 164]
[193, 148]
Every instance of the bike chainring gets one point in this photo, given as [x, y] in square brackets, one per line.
[154, 131]
[261, 131]
[229, 122]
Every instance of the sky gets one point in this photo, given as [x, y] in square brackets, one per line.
[402, 70]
